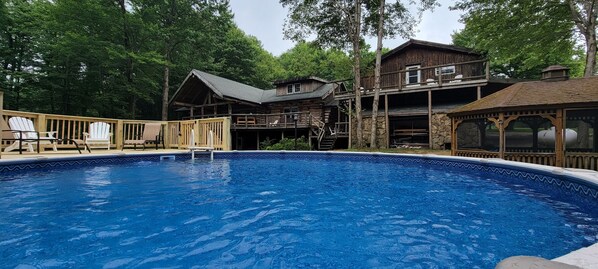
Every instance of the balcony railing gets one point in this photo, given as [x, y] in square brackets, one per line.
[447, 75]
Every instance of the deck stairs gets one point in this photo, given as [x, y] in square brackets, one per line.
[327, 142]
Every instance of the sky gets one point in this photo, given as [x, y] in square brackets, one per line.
[264, 19]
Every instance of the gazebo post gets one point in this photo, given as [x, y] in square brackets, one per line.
[501, 135]
[559, 148]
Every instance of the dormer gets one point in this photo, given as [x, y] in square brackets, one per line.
[298, 85]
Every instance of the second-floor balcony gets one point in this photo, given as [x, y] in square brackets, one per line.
[417, 78]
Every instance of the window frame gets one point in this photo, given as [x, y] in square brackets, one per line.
[408, 74]
[442, 70]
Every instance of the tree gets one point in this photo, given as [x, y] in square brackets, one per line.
[376, 100]
[307, 59]
[520, 37]
[584, 13]
[342, 24]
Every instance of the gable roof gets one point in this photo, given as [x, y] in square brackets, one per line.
[299, 79]
[420, 43]
[321, 92]
[540, 94]
[226, 88]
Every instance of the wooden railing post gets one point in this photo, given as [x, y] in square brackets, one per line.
[119, 132]
[226, 135]
[41, 127]
[166, 134]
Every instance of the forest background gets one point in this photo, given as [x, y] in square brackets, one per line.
[115, 58]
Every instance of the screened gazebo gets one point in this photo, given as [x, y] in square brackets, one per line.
[552, 122]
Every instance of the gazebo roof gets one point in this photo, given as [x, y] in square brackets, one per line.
[578, 92]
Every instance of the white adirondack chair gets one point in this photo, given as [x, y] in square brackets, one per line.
[99, 134]
[25, 134]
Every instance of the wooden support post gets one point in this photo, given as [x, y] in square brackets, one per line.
[191, 112]
[559, 149]
[350, 123]
[258, 140]
[430, 134]
[387, 125]
[119, 132]
[479, 92]
[487, 70]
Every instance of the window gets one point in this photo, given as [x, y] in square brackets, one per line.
[294, 88]
[445, 70]
[412, 76]
[289, 111]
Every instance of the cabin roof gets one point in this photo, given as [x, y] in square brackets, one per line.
[540, 94]
[427, 44]
[321, 92]
[220, 86]
[226, 88]
[299, 79]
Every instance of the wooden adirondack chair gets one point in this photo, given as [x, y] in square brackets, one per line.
[151, 134]
[99, 134]
[24, 134]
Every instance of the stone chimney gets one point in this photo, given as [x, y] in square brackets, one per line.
[555, 73]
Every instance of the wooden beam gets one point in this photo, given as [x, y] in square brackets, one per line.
[350, 122]
[559, 145]
[386, 121]
[430, 119]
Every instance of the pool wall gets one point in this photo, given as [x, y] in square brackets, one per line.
[582, 182]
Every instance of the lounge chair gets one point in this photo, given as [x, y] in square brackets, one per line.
[99, 134]
[209, 148]
[24, 133]
[151, 134]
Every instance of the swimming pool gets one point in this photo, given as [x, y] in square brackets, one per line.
[287, 210]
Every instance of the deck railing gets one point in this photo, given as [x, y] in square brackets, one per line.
[580, 160]
[175, 132]
[429, 77]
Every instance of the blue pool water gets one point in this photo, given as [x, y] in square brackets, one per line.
[290, 212]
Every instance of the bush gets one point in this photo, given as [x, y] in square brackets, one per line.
[289, 144]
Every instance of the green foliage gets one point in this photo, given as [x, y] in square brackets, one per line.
[307, 59]
[520, 37]
[107, 58]
[289, 144]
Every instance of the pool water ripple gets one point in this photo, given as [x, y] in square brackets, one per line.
[294, 212]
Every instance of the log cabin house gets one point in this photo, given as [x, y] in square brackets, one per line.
[304, 104]
[420, 82]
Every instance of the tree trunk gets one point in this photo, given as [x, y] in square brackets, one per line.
[357, 72]
[165, 94]
[128, 72]
[584, 16]
[590, 53]
[373, 136]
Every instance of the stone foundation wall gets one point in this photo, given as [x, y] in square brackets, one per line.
[381, 134]
[441, 131]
